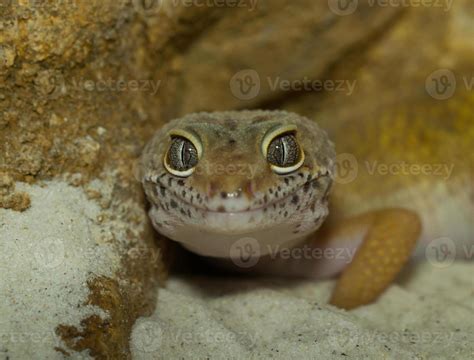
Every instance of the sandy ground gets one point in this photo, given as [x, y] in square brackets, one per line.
[428, 314]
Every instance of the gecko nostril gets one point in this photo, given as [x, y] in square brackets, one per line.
[231, 195]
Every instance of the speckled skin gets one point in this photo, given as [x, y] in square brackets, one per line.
[234, 195]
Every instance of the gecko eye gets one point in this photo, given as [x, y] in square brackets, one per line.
[282, 151]
[183, 154]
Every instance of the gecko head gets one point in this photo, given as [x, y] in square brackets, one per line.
[215, 178]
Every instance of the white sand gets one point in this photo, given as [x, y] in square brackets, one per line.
[47, 254]
[428, 315]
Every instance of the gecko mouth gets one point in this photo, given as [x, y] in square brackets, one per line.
[241, 205]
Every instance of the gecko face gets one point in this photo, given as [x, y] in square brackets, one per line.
[215, 178]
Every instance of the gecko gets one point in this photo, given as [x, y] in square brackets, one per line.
[220, 182]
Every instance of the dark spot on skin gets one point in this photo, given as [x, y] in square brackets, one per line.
[279, 188]
[162, 191]
[192, 198]
[232, 142]
[317, 219]
[224, 195]
[287, 181]
[191, 188]
[258, 119]
[170, 181]
[198, 196]
[183, 193]
[265, 198]
[315, 184]
[301, 175]
[295, 231]
[181, 182]
[232, 125]
[276, 193]
[282, 205]
[221, 209]
[182, 212]
[173, 204]
[189, 213]
[270, 191]
[295, 199]
[306, 187]
[308, 179]
[285, 214]
[313, 207]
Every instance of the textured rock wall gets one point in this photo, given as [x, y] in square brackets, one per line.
[83, 85]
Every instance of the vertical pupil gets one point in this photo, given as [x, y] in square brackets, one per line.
[284, 151]
[182, 154]
[280, 151]
[186, 154]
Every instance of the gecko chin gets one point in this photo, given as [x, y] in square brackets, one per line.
[215, 227]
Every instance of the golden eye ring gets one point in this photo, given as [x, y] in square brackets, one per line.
[183, 154]
[282, 151]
